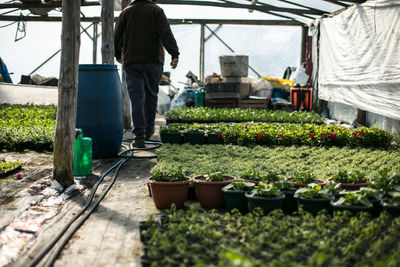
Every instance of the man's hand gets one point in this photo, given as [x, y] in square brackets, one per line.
[174, 62]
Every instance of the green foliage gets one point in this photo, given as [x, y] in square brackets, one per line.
[354, 177]
[304, 177]
[266, 190]
[285, 185]
[27, 127]
[385, 180]
[204, 114]
[393, 199]
[198, 238]
[237, 160]
[168, 175]
[353, 199]
[312, 190]
[239, 185]
[214, 176]
[10, 165]
[250, 134]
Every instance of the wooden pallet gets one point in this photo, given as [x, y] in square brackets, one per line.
[253, 103]
[221, 103]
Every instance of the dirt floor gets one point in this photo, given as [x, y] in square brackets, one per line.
[33, 214]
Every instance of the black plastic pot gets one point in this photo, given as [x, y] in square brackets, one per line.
[391, 209]
[213, 139]
[171, 138]
[236, 200]
[354, 209]
[268, 204]
[314, 205]
[192, 192]
[194, 138]
[289, 204]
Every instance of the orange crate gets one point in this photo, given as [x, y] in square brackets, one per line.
[301, 98]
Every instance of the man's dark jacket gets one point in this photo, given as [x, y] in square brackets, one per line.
[141, 32]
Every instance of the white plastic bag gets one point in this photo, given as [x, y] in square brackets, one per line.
[180, 99]
[164, 101]
[300, 76]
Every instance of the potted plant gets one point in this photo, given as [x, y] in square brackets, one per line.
[302, 179]
[194, 135]
[335, 189]
[375, 197]
[350, 181]
[352, 201]
[313, 198]
[234, 195]
[265, 196]
[289, 205]
[208, 189]
[392, 203]
[386, 180]
[171, 134]
[168, 187]
[255, 176]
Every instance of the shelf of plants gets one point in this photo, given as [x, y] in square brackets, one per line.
[229, 239]
[27, 127]
[280, 134]
[204, 114]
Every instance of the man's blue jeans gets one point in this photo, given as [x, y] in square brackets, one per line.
[142, 81]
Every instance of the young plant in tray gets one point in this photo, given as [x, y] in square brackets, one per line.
[234, 195]
[168, 186]
[268, 197]
[313, 198]
[6, 168]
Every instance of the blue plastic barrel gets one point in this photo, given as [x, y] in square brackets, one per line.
[99, 112]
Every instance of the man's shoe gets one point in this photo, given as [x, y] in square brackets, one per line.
[149, 133]
[138, 142]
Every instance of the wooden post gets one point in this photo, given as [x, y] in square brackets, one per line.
[126, 103]
[67, 94]
[202, 46]
[107, 31]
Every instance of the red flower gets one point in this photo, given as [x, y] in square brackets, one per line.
[245, 126]
[281, 136]
[354, 134]
[259, 136]
[312, 135]
[219, 135]
[361, 134]
[332, 135]
[323, 135]
[18, 176]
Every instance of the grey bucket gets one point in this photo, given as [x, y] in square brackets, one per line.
[234, 66]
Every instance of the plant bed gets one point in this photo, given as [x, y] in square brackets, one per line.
[268, 197]
[194, 138]
[204, 114]
[234, 195]
[208, 189]
[169, 188]
[8, 168]
[195, 237]
[215, 138]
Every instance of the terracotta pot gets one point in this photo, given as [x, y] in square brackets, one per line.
[352, 187]
[165, 194]
[320, 182]
[210, 194]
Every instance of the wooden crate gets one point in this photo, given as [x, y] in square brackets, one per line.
[221, 102]
[253, 103]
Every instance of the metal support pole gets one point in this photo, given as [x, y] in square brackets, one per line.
[202, 42]
[304, 34]
[95, 37]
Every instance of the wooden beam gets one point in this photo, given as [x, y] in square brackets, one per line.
[171, 21]
[63, 171]
[107, 31]
[202, 50]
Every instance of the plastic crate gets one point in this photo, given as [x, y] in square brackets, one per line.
[227, 90]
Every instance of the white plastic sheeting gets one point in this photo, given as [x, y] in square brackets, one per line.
[360, 57]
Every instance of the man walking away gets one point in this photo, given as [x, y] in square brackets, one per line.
[141, 33]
